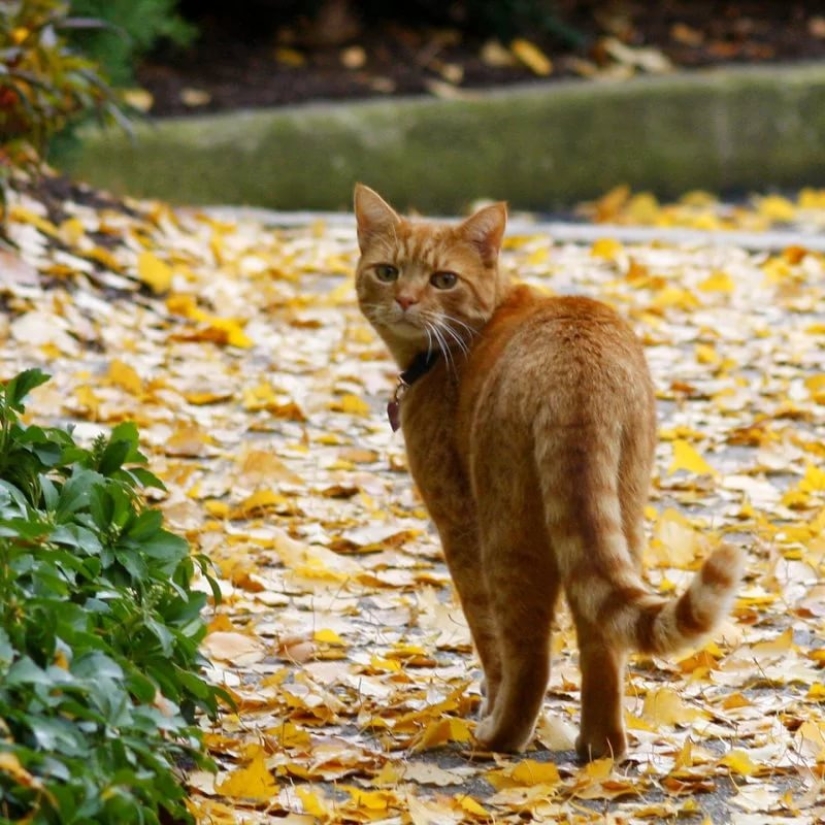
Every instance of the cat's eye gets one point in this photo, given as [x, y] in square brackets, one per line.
[386, 273]
[444, 280]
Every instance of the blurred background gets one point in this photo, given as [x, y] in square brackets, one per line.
[207, 55]
[540, 102]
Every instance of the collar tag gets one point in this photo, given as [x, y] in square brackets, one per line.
[420, 366]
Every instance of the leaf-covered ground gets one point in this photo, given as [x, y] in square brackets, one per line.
[260, 392]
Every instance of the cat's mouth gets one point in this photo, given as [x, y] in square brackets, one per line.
[407, 327]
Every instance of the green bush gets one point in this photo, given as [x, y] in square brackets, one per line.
[44, 84]
[135, 27]
[99, 631]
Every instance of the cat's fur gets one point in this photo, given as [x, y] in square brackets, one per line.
[531, 440]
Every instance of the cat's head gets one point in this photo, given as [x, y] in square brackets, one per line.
[427, 286]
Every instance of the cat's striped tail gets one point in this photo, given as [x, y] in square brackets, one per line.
[640, 620]
[685, 620]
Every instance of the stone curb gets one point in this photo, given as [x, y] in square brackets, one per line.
[559, 231]
[539, 147]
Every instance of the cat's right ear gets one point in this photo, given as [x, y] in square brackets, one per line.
[373, 214]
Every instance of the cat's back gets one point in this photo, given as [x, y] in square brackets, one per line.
[571, 353]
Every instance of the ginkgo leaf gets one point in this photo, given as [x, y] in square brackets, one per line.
[525, 773]
[154, 272]
[233, 647]
[123, 375]
[607, 248]
[665, 707]
[718, 281]
[813, 481]
[313, 801]
[686, 457]
[777, 646]
[739, 763]
[532, 56]
[252, 781]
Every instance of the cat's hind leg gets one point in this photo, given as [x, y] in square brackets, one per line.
[463, 556]
[523, 585]
[602, 731]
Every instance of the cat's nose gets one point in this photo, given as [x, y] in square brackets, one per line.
[405, 301]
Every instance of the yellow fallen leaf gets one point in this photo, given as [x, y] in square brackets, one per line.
[371, 800]
[607, 248]
[672, 296]
[684, 759]
[597, 770]
[664, 707]
[10, 765]
[72, 231]
[105, 257]
[777, 208]
[675, 542]
[609, 205]
[194, 97]
[525, 773]
[441, 731]
[329, 637]
[472, 807]
[811, 736]
[778, 646]
[685, 457]
[634, 722]
[140, 99]
[154, 272]
[351, 404]
[86, 397]
[736, 700]
[230, 646]
[532, 57]
[739, 762]
[644, 208]
[19, 213]
[289, 735]
[253, 781]
[815, 384]
[717, 282]
[202, 398]
[313, 801]
[260, 502]
[189, 440]
[813, 481]
[816, 692]
[289, 57]
[707, 354]
[126, 377]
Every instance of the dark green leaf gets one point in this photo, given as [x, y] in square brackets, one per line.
[21, 385]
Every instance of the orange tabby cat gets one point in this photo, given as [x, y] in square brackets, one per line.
[530, 426]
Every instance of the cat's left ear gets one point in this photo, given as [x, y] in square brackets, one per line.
[485, 229]
[373, 215]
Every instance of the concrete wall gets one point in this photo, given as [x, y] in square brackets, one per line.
[539, 146]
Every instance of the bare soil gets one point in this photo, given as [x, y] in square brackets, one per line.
[246, 58]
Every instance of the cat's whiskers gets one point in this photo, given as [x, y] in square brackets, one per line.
[459, 340]
[429, 341]
[449, 338]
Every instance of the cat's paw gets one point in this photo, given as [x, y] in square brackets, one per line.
[485, 709]
[491, 736]
[611, 745]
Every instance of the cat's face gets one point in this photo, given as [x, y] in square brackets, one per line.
[426, 287]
